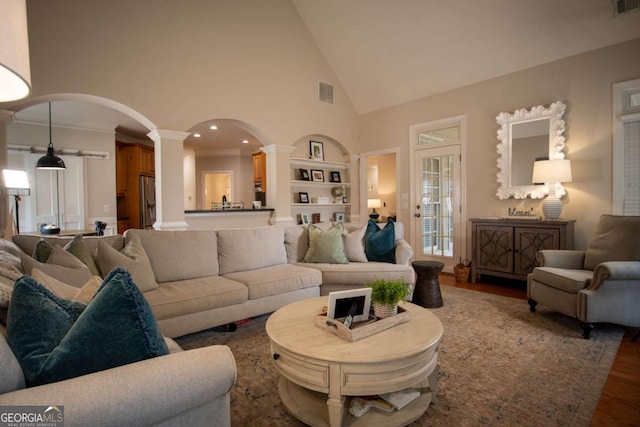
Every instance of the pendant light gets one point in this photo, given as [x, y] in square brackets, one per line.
[50, 160]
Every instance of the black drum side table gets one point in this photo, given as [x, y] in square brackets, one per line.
[426, 292]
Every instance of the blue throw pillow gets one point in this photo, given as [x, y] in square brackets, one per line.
[380, 243]
[55, 339]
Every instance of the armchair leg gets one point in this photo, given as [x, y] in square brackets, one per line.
[586, 330]
[532, 305]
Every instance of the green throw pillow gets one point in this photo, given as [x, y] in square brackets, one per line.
[326, 246]
[77, 248]
[55, 339]
[42, 251]
[380, 243]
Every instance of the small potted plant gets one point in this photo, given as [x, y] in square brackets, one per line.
[386, 294]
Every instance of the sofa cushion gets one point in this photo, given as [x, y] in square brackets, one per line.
[250, 249]
[75, 247]
[55, 339]
[133, 258]
[296, 241]
[326, 246]
[380, 243]
[617, 238]
[10, 253]
[173, 299]
[179, 255]
[61, 265]
[27, 242]
[354, 244]
[277, 279]
[61, 289]
[571, 281]
[359, 273]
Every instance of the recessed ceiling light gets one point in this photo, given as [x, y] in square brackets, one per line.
[245, 141]
[197, 135]
[213, 127]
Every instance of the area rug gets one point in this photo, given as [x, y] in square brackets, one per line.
[500, 365]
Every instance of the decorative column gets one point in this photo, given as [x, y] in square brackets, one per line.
[168, 147]
[279, 182]
[354, 197]
[6, 118]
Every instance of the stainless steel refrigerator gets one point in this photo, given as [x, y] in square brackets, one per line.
[147, 201]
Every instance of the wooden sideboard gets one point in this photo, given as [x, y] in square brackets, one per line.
[507, 247]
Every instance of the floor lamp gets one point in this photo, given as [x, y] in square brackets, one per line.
[17, 184]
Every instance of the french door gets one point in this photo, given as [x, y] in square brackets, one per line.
[437, 217]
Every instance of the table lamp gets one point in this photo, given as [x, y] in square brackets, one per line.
[552, 172]
[17, 184]
[373, 204]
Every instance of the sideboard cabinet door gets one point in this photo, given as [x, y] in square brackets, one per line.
[508, 247]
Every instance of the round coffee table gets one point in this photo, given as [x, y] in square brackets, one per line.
[320, 371]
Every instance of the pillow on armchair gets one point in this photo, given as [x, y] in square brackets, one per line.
[617, 238]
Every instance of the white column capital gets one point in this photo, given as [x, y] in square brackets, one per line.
[7, 116]
[157, 135]
[273, 148]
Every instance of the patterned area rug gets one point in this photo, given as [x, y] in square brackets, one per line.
[500, 365]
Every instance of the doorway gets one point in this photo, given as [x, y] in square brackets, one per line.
[217, 185]
[438, 231]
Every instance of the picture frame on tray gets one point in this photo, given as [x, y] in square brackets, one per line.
[356, 302]
[316, 150]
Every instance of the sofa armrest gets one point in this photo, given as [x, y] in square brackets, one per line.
[404, 252]
[141, 393]
[612, 271]
[558, 258]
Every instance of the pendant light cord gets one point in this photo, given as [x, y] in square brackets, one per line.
[50, 134]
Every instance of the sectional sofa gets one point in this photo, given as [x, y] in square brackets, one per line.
[198, 279]
[192, 280]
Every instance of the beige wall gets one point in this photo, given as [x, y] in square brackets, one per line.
[181, 63]
[583, 82]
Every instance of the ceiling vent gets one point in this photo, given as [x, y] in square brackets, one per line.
[326, 92]
[623, 6]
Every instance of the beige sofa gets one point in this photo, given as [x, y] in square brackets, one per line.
[208, 278]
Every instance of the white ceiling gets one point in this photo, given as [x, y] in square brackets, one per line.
[388, 52]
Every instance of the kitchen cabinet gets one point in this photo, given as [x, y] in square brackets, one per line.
[507, 247]
[260, 171]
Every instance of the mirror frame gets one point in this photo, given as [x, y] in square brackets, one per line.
[556, 149]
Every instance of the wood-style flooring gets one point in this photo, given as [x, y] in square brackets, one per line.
[619, 403]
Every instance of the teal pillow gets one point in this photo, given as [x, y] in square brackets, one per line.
[326, 246]
[55, 339]
[380, 243]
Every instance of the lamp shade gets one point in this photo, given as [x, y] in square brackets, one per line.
[15, 74]
[15, 179]
[552, 171]
[373, 203]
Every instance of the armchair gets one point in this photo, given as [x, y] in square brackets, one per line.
[601, 284]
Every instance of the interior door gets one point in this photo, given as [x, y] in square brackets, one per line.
[437, 210]
[57, 197]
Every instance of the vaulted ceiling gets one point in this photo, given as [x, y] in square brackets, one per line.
[388, 52]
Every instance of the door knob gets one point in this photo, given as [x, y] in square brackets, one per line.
[417, 215]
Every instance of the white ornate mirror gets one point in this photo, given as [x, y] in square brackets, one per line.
[524, 136]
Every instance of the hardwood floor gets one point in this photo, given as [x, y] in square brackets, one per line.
[619, 403]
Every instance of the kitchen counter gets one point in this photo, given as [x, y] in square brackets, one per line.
[228, 218]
